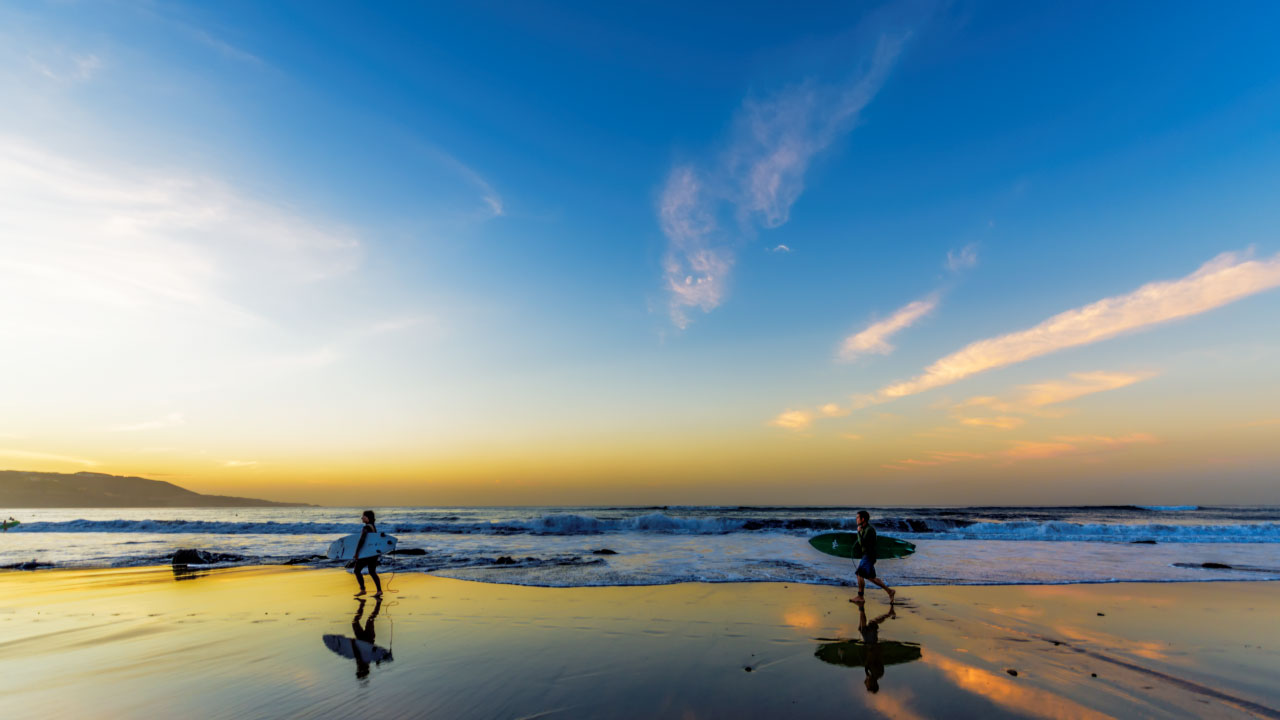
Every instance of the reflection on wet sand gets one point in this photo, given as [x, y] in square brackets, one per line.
[182, 572]
[870, 653]
[362, 647]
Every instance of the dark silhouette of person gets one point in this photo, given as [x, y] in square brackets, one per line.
[366, 633]
[369, 563]
[873, 663]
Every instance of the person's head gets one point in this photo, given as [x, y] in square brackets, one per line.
[864, 518]
[367, 516]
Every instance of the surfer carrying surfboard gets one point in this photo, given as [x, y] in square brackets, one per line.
[867, 566]
[367, 563]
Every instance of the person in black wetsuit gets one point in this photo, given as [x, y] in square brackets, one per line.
[867, 566]
[369, 563]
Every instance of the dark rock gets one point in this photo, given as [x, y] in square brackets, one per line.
[747, 668]
[1215, 566]
[1012, 672]
[1102, 614]
[604, 551]
[505, 560]
[29, 565]
[1143, 542]
[409, 551]
[1093, 674]
[191, 556]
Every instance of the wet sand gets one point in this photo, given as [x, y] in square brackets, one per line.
[290, 642]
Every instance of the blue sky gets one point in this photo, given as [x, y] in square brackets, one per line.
[537, 232]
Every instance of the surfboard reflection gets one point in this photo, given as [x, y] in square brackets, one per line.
[362, 647]
[870, 652]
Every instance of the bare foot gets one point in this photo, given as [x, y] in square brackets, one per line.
[358, 594]
[857, 599]
[892, 595]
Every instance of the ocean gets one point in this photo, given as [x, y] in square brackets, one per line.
[586, 546]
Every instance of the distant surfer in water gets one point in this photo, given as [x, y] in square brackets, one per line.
[867, 566]
[369, 563]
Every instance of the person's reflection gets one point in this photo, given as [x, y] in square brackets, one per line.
[362, 647]
[871, 654]
[874, 664]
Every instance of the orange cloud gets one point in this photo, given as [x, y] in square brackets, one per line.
[1003, 422]
[793, 420]
[1074, 445]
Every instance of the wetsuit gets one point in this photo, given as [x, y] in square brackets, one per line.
[369, 563]
[867, 541]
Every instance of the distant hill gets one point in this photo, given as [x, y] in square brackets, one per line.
[20, 489]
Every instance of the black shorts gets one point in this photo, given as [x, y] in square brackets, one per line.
[369, 563]
[866, 568]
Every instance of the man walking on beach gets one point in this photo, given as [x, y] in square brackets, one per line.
[867, 566]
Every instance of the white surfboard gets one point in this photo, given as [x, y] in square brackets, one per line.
[356, 649]
[344, 548]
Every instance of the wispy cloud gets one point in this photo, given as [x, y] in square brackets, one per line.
[780, 249]
[168, 421]
[793, 420]
[1223, 280]
[1033, 399]
[67, 68]
[1080, 384]
[695, 268]
[1074, 445]
[47, 457]
[935, 458]
[875, 338]
[962, 259]
[1002, 422]
[493, 205]
[756, 181]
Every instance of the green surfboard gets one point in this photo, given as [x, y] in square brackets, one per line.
[846, 545]
[11, 523]
[852, 653]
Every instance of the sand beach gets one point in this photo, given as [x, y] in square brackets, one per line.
[273, 642]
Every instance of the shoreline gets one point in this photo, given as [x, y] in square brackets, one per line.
[269, 640]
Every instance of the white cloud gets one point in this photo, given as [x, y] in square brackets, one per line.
[780, 249]
[875, 338]
[967, 257]
[1223, 280]
[168, 421]
[695, 270]
[756, 180]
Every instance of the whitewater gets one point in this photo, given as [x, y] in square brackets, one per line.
[565, 547]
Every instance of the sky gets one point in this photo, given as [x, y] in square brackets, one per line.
[581, 253]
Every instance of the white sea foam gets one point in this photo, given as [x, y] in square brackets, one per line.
[665, 545]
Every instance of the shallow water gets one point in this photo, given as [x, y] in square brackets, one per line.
[559, 546]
